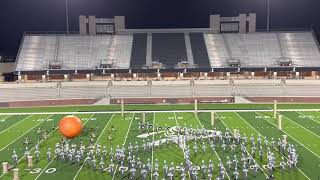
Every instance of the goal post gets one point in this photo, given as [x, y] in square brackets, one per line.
[275, 109]
[280, 122]
[122, 107]
[212, 118]
[195, 106]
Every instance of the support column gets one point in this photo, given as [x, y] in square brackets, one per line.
[83, 25]
[275, 109]
[149, 51]
[252, 22]
[252, 75]
[205, 75]
[25, 78]
[92, 25]
[297, 75]
[112, 76]
[19, 78]
[66, 77]
[228, 75]
[242, 23]
[275, 75]
[181, 75]
[135, 76]
[159, 76]
[1, 78]
[44, 78]
[88, 77]
[215, 23]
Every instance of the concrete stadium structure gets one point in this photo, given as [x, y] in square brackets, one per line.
[105, 63]
[105, 49]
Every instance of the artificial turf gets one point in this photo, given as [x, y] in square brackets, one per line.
[302, 129]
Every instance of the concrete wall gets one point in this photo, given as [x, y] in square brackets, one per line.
[119, 23]
[215, 23]
[83, 25]
[92, 25]
[242, 23]
[252, 22]
[6, 67]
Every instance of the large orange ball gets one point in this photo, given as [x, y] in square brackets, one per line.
[70, 126]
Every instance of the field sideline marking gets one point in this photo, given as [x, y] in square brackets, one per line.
[292, 137]
[276, 148]
[125, 140]
[56, 156]
[154, 120]
[94, 145]
[301, 126]
[25, 133]
[167, 111]
[184, 154]
[15, 123]
[308, 117]
[246, 149]
[214, 149]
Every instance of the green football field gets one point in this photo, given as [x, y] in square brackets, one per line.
[301, 127]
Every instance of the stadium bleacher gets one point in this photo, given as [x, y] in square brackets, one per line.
[75, 52]
[169, 48]
[139, 51]
[199, 50]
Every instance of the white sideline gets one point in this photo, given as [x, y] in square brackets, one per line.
[167, 111]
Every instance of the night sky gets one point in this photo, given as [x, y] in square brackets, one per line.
[18, 16]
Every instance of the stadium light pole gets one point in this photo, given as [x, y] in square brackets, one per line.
[268, 15]
[67, 16]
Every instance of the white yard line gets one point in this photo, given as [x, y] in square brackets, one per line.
[167, 111]
[25, 133]
[308, 117]
[214, 150]
[246, 149]
[45, 167]
[277, 149]
[153, 124]
[94, 144]
[175, 117]
[56, 156]
[292, 137]
[14, 124]
[125, 140]
[301, 126]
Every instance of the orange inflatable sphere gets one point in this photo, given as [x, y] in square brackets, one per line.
[70, 126]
